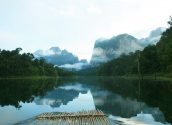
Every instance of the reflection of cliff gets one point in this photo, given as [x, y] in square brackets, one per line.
[125, 107]
[12, 92]
[141, 119]
[59, 96]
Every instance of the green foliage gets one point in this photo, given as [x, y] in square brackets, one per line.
[149, 60]
[87, 72]
[63, 72]
[125, 64]
[164, 49]
[170, 21]
[12, 63]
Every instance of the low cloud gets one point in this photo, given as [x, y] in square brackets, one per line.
[76, 66]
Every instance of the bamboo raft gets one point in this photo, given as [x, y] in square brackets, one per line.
[95, 117]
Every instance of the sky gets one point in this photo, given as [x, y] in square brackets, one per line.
[76, 24]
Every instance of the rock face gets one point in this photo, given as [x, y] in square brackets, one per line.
[108, 49]
[57, 56]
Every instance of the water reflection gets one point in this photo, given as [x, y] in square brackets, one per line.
[121, 99]
[67, 99]
[140, 119]
[12, 92]
[155, 94]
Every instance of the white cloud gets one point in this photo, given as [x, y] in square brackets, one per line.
[98, 51]
[76, 66]
[92, 8]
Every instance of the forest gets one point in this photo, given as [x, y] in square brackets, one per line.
[13, 64]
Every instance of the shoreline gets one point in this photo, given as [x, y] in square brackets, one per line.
[29, 77]
[147, 77]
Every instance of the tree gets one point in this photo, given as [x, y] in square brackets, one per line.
[12, 63]
[149, 61]
[164, 48]
[170, 21]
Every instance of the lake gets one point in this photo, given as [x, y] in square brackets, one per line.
[128, 101]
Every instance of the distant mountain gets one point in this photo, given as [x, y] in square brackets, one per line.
[153, 38]
[108, 49]
[57, 56]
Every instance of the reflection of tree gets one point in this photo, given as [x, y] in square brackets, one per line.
[159, 94]
[14, 91]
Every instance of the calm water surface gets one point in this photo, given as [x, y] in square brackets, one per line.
[128, 101]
